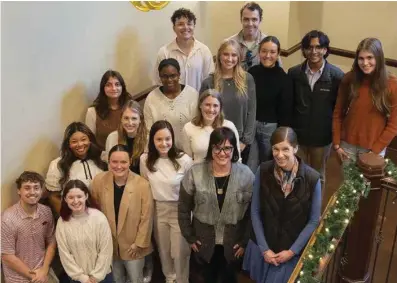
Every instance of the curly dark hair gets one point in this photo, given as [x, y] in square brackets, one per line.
[67, 156]
[101, 102]
[183, 13]
[29, 176]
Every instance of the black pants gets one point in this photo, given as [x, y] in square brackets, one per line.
[218, 270]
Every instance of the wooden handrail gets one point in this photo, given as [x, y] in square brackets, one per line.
[285, 53]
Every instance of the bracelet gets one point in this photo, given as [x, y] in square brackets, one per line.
[336, 147]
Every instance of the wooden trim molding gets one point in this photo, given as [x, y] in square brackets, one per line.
[285, 53]
[335, 51]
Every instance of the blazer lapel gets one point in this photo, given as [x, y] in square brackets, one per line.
[125, 202]
[109, 203]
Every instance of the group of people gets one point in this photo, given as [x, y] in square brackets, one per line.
[225, 163]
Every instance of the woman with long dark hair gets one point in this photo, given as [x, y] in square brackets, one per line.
[365, 115]
[83, 236]
[80, 159]
[164, 166]
[285, 211]
[103, 117]
[214, 203]
[131, 132]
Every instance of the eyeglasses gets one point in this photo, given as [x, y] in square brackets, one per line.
[248, 58]
[172, 77]
[227, 149]
[314, 48]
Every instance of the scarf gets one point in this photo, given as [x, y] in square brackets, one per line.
[286, 179]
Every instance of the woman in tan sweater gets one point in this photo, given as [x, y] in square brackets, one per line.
[365, 115]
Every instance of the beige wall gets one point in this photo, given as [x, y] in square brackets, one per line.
[53, 56]
[54, 53]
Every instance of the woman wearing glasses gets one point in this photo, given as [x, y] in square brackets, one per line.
[213, 212]
[174, 102]
[238, 92]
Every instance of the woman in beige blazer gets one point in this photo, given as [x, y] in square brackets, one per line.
[126, 200]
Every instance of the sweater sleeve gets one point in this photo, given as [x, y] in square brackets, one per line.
[185, 207]
[249, 127]
[53, 177]
[315, 215]
[90, 119]
[285, 103]
[257, 223]
[147, 112]
[339, 110]
[72, 269]
[390, 131]
[104, 249]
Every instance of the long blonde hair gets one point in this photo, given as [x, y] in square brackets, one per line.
[239, 75]
[141, 135]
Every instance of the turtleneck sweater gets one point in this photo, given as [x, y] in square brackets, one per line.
[274, 98]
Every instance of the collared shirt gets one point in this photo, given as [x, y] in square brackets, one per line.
[26, 237]
[313, 77]
[255, 60]
[195, 67]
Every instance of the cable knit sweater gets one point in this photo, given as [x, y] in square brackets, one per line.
[85, 246]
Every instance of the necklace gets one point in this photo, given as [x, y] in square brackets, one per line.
[219, 189]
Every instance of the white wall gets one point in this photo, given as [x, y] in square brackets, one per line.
[53, 56]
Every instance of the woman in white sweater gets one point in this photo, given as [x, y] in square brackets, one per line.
[172, 101]
[164, 166]
[80, 159]
[83, 237]
[196, 134]
[131, 132]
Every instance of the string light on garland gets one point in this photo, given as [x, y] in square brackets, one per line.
[335, 221]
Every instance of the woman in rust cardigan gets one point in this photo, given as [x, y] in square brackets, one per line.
[126, 200]
[365, 115]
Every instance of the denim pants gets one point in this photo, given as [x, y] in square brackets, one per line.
[108, 279]
[354, 151]
[131, 268]
[263, 134]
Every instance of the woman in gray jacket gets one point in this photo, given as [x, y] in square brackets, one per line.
[217, 193]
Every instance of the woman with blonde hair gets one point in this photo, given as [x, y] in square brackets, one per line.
[196, 133]
[238, 92]
[131, 132]
[365, 115]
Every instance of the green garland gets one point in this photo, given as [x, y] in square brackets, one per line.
[336, 220]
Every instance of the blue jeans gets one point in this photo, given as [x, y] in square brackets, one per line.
[108, 279]
[263, 134]
[128, 270]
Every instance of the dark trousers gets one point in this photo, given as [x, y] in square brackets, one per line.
[218, 270]
[107, 279]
